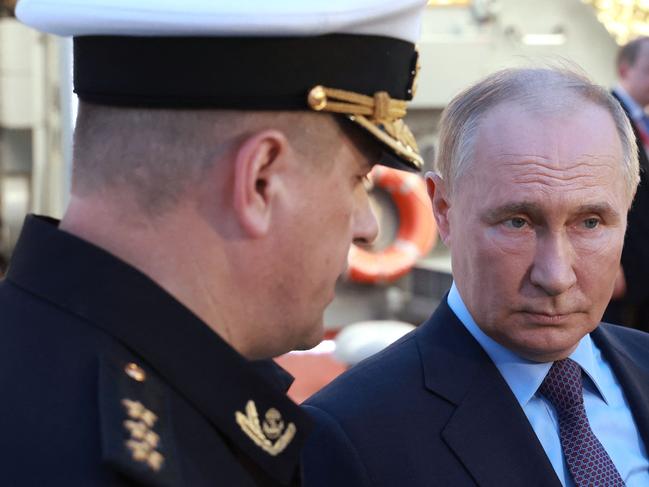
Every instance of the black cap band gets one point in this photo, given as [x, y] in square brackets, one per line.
[273, 73]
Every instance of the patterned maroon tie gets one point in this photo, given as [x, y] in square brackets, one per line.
[587, 460]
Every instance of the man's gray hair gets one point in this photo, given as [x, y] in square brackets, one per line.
[545, 89]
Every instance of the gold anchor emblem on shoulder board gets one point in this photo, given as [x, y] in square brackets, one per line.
[273, 436]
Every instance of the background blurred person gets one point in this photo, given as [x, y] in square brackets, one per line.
[630, 304]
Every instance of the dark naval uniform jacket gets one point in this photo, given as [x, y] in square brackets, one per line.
[433, 410]
[107, 380]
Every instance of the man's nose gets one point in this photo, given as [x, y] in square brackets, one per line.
[552, 269]
[366, 227]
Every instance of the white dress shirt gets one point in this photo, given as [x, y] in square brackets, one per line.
[607, 409]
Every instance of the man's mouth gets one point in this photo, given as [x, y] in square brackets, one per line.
[547, 318]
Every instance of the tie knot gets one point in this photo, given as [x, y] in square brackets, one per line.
[562, 386]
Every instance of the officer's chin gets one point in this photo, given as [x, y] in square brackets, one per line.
[313, 336]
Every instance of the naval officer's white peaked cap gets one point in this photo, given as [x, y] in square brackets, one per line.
[392, 18]
[353, 57]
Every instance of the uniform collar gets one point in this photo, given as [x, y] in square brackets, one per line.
[115, 297]
[523, 376]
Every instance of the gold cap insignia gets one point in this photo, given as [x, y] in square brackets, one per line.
[273, 436]
[380, 114]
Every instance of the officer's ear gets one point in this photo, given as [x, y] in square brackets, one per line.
[257, 168]
[438, 193]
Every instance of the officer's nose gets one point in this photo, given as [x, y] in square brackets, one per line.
[552, 269]
[366, 228]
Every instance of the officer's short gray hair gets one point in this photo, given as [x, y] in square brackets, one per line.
[553, 89]
[160, 153]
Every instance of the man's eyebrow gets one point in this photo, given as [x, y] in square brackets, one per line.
[526, 207]
[534, 210]
[598, 208]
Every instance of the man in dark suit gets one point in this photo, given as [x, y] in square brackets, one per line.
[219, 158]
[630, 304]
[513, 381]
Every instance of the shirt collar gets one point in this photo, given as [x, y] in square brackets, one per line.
[523, 376]
[635, 110]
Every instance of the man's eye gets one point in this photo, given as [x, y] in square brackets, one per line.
[516, 222]
[591, 223]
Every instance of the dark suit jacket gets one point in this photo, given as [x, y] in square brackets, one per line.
[433, 410]
[635, 255]
[72, 317]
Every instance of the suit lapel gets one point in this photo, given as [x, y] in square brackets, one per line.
[489, 431]
[633, 377]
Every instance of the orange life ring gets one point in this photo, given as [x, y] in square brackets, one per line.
[415, 237]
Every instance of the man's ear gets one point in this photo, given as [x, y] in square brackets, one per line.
[438, 193]
[623, 69]
[258, 163]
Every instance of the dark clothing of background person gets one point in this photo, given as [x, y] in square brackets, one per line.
[632, 309]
